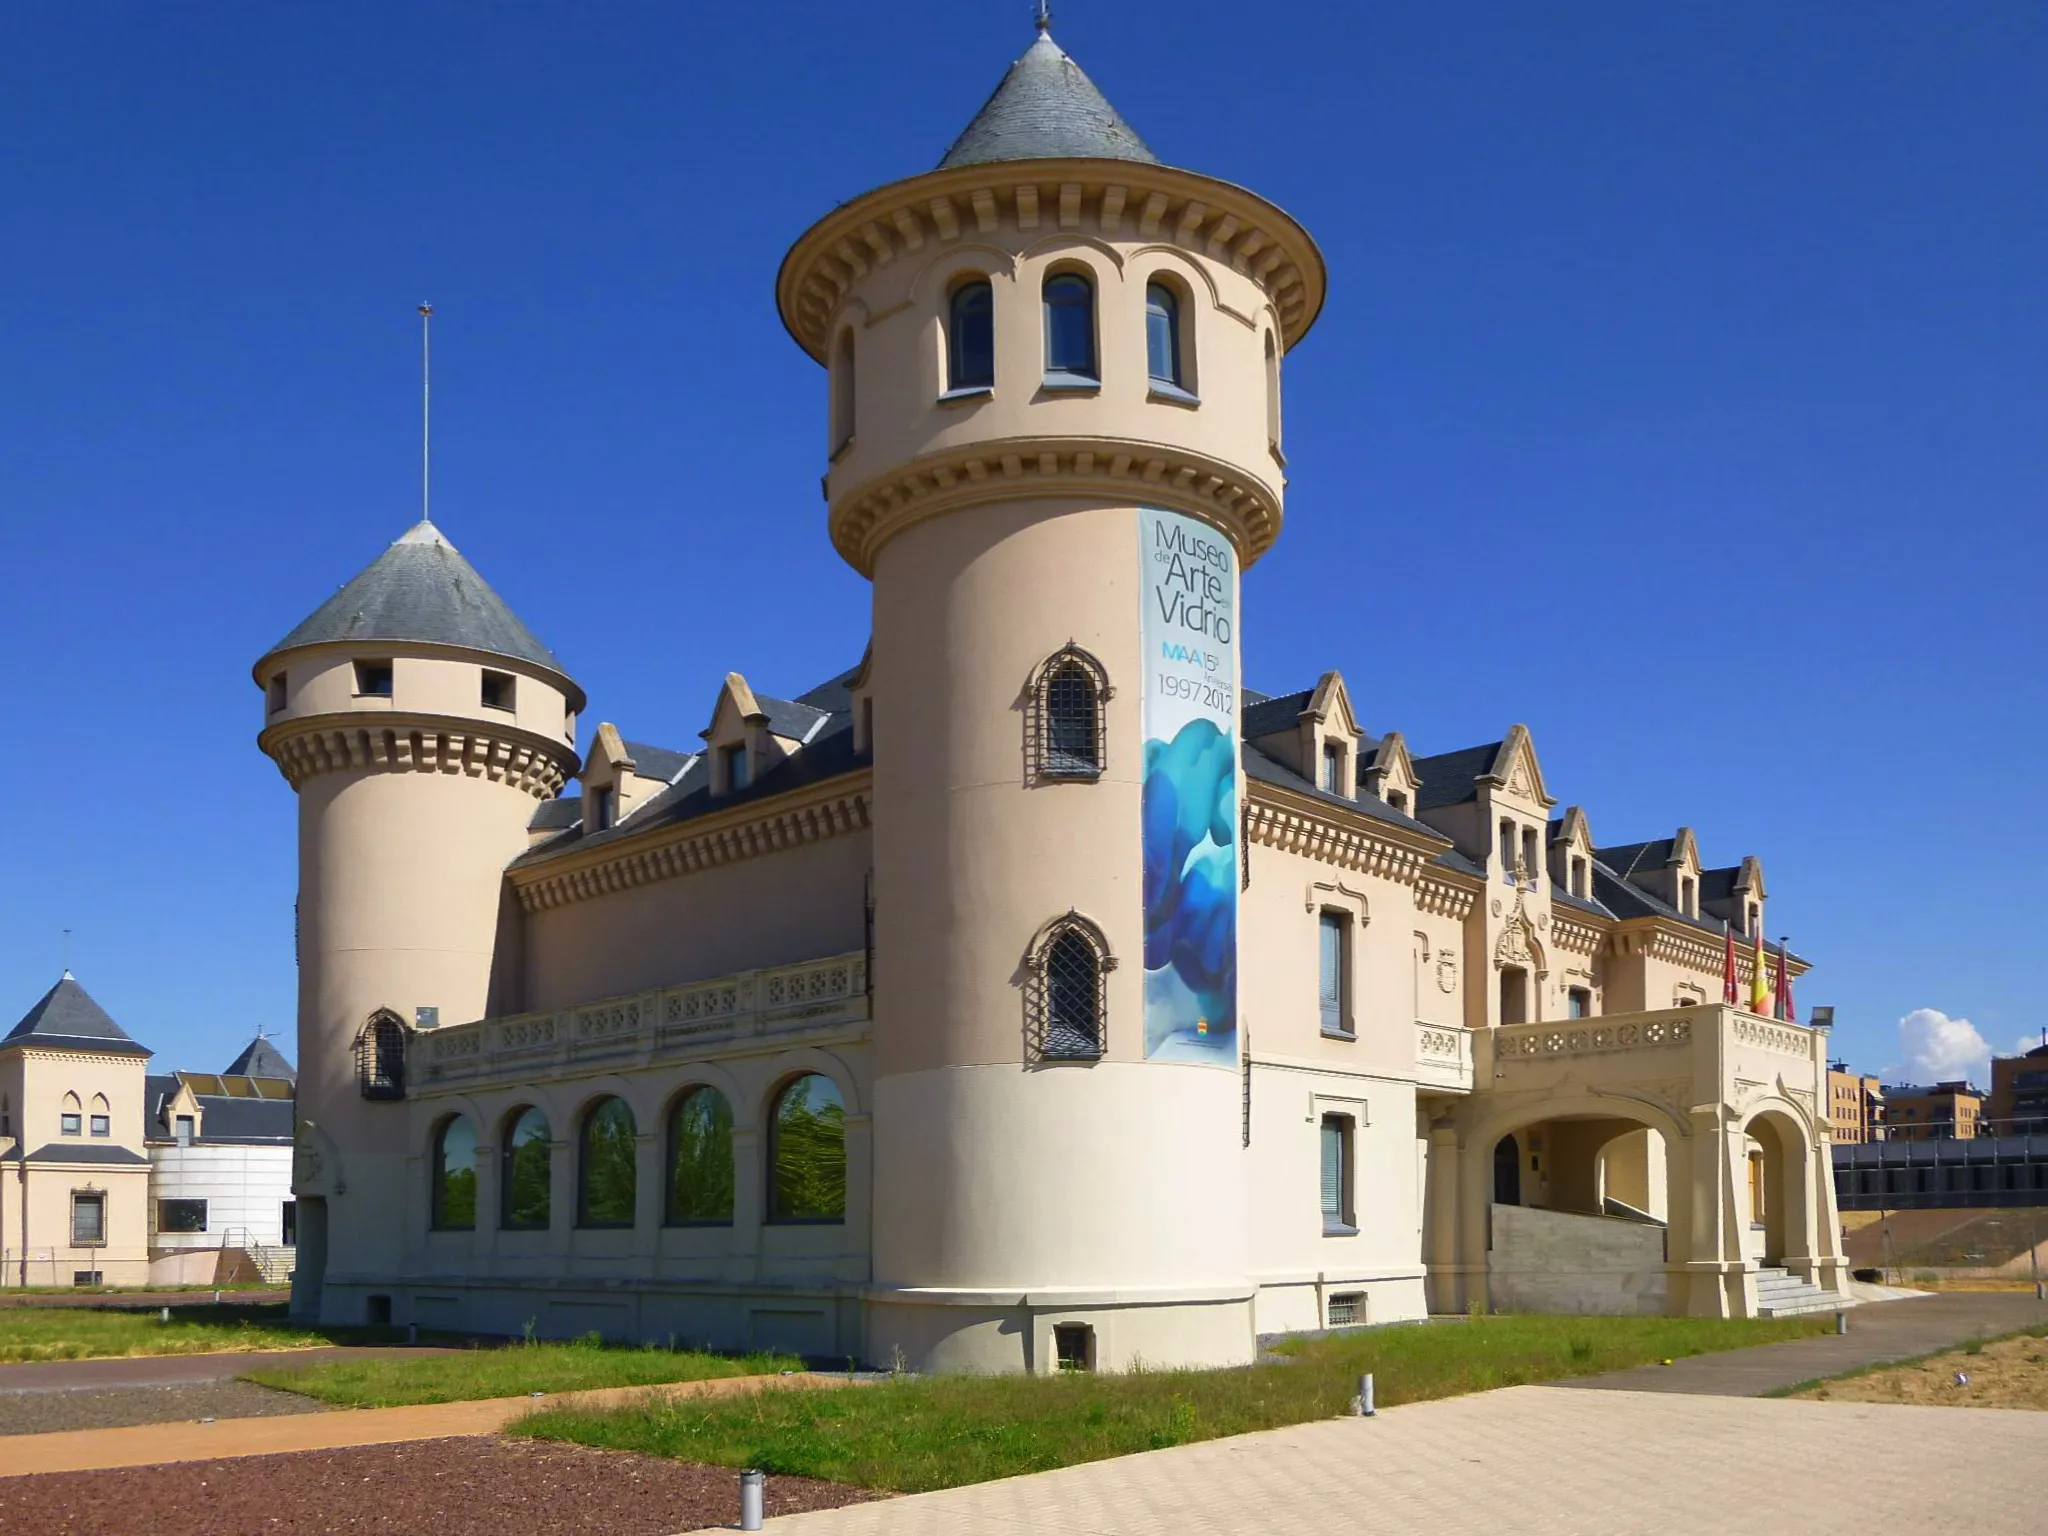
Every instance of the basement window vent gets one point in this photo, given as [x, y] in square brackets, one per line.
[86, 1277]
[1073, 1345]
[1347, 1310]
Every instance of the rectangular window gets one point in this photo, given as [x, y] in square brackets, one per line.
[1531, 857]
[735, 767]
[1514, 995]
[1398, 800]
[101, 1126]
[1333, 769]
[184, 1130]
[290, 1223]
[88, 1219]
[86, 1277]
[70, 1125]
[1333, 981]
[1507, 851]
[605, 809]
[1578, 876]
[1686, 904]
[276, 690]
[498, 690]
[1580, 1000]
[181, 1215]
[1336, 1176]
[373, 679]
[1347, 1309]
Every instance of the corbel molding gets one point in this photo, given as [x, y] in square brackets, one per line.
[393, 742]
[1309, 830]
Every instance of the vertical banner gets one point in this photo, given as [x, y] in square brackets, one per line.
[1188, 584]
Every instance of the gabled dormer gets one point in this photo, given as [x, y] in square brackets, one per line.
[1315, 733]
[1389, 773]
[1571, 853]
[620, 776]
[1735, 895]
[750, 734]
[1668, 868]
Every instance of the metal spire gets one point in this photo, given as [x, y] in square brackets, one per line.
[1044, 18]
[426, 401]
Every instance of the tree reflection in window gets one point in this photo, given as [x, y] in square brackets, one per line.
[524, 1200]
[604, 1193]
[455, 1175]
[700, 1159]
[807, 1152]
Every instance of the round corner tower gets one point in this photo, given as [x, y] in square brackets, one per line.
[1054, 445]
[419, 721]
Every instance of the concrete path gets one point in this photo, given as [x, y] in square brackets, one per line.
[1878, 1331]
[181, 1370]
[90, 1450]
[1529, 1460]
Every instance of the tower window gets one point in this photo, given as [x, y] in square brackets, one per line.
[971, 337]
[70, 1123]
[373, 679]
[1164, 340]
[1068, 699]
[1070, 331]
[380, 1056]
[276, 692]
[1272, 395]
[498, 690]
[1068, 968]
[842, 394]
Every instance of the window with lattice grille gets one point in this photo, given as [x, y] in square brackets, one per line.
[380, 1057]
[1069, 991]
[1067, 701]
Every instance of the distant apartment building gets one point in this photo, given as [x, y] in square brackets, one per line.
[2018, 1105]
[1943, 1112]
[1855, 1104]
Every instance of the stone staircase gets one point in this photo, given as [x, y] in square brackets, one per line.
[1779, 1293]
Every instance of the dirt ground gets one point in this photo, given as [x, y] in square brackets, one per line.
[2007, 1373]
[469, 1487]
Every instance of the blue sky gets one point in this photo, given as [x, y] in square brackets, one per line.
[1680, 393]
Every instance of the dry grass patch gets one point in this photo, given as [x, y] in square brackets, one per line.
[2011, 1372]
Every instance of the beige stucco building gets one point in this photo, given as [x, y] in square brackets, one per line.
[1031, 991]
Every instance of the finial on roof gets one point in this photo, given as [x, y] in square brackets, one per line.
[1044, 18]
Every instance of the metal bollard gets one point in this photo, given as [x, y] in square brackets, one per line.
[412, 1333]
[751, 1484]
[1841, 1322]
[1365, 1407]
[164, 1316]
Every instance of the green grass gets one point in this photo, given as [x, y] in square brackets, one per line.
[79, 1333]
[910, 1435]
[511, 1370]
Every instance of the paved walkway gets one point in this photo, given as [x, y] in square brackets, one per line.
[181, 1370]
[142, 1445]
[1528, 1460]
[1878, 1331]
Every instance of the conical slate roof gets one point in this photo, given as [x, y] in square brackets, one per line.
[1047, 109]
[421, 589]
[68, 1018]
[260, 1058]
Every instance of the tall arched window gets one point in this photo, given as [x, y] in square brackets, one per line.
[1163, 336]
[604, 1169]
[842, 392]
[1068, 697]
[700, 1159]
[380, 1056]
[524, 1193]
[1068, 968]
[807, 1152]
[454, 1191]
[1272, 394]
[1070, 330]
[971, 337]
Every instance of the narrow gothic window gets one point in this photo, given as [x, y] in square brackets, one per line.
[1067, 978]
[380, 1057]
[1069, 698]
[1070, 330]
[1162, 335]
[971, 338]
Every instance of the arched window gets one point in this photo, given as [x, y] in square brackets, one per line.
[842, 393]
[1070, 330]
[101, 1121]
[1068, 970]
[71, 1117]
[971, 337]
[1067, 699]
[604, 1171]
[524, 1193]
[1163, 337]
[380, 1056]
[700, 1159]
[454, 1191]
[1272, 394]
[807, 1152]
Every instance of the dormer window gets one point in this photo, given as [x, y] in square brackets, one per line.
[276, 692]
[1578, 875]
[736, 767]
[1507, 850]
[1688, 897]
[373, 679]
[497, 690]
[1530, 862]
[604, 808]
[1332, 780]
[1398, 799]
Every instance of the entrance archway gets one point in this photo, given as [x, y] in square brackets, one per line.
[1507, 1171]
[1777, 1195]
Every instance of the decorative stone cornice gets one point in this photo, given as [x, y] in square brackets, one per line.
[1115, 200]
[841, 805]
[1176, 479]
[1300, 827]
[1443, 895]
[393, 742]
[1579, 935]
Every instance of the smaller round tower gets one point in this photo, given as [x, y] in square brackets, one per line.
[419, 721]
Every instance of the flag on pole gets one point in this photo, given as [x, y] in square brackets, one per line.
[1783, 1008]
[1759, 989]
[1729, 994]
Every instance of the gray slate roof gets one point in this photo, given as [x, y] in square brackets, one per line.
[1632, 859]
[421, 589]
[650, 762]
[1271, 715]
[1257, 765]
[260, 1058]
[789, 718]
[1046, 109]
[1452, 778]
[67, 1017]
[554, 815]
[73, 1152]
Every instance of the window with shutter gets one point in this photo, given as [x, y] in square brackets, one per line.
[1331, 982]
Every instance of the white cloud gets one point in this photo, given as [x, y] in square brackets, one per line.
[1939, 1048]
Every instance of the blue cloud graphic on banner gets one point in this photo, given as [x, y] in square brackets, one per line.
[1190, 825]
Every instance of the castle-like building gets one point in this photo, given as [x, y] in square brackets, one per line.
[1030, 993]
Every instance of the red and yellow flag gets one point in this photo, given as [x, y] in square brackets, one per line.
[1759, 985]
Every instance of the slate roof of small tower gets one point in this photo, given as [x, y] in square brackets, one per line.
[260, 1058]
[67, 1018]
[1047, 109]
[422, 590]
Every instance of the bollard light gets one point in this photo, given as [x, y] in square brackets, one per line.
[751, 1483]
[164, 1316]
[412, 1333]
[1365, 1407]
[1841, 1322]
